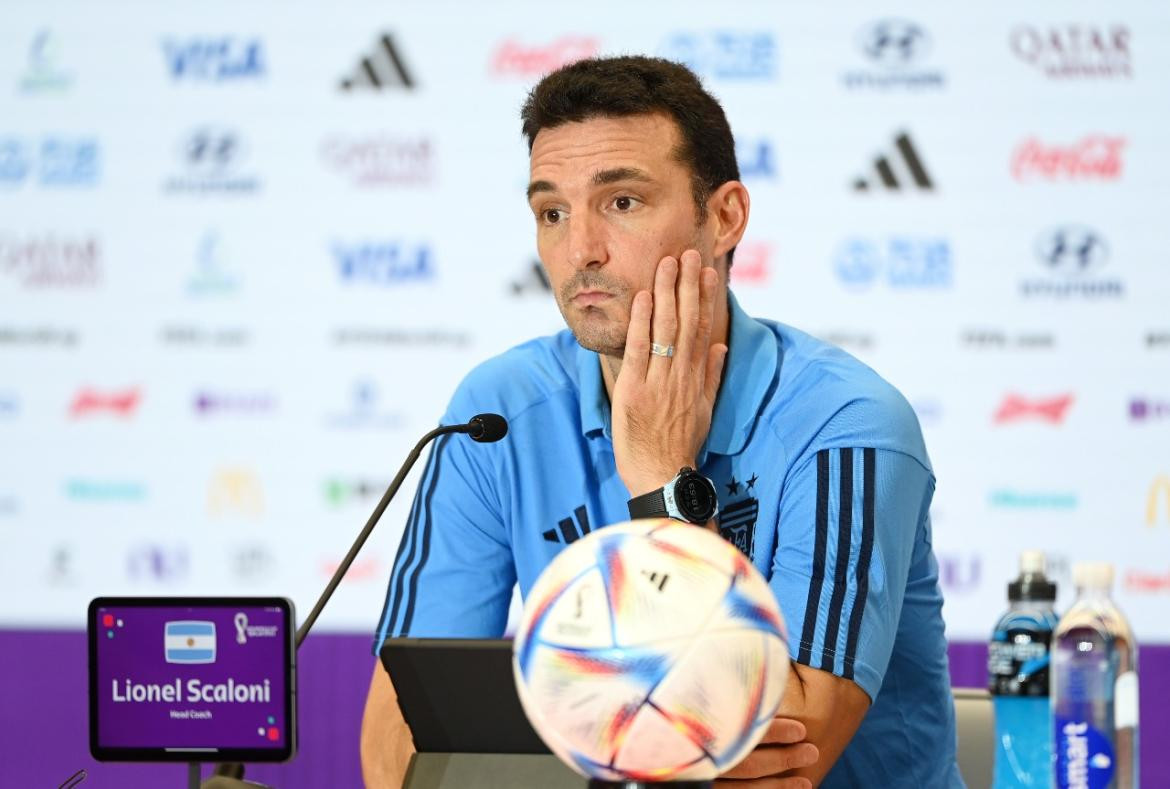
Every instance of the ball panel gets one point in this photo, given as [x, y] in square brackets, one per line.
[643, 581]
[718, 691]
[590, 696]
[666, 747]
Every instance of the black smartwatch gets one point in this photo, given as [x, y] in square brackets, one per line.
[688, 497]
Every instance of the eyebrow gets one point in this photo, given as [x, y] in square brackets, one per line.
[600, 178]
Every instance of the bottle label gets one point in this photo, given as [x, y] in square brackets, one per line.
[1017, 663]
[1125, 701]
[1084, 757]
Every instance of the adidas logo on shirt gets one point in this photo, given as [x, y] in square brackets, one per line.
[901, 169]
[568, 532]
[382, 69]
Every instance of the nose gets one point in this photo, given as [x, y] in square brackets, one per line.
[587, 247]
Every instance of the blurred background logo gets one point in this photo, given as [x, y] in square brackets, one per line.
[214, 59]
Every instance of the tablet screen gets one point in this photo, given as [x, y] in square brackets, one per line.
[191, 679]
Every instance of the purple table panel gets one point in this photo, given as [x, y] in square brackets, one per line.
[44, 725]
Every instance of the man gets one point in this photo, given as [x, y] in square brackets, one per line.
[819, 466]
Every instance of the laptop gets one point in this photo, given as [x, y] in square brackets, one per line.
[459, 695]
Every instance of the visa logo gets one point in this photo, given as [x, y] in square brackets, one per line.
[215, 59]
[384, 263]
[756, 158]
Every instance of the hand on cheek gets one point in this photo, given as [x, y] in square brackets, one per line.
[665, 393]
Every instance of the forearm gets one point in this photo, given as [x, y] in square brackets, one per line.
[831, 709]
[386, 743]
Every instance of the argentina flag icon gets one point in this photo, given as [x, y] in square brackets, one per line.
[190, 642]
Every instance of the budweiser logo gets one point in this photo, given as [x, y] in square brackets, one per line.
[89, 401]
[514, 58]
[1096, 156]
[1015, 408]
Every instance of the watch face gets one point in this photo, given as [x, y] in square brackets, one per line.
[695, 497]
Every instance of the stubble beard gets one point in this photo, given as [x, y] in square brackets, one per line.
[596, 328]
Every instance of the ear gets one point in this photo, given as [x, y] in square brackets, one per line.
[727, 210]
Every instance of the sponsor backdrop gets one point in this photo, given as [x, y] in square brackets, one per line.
[246, 253]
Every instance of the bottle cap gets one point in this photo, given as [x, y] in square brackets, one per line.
[1093, 575]
[1032, 583]
[1032, 562]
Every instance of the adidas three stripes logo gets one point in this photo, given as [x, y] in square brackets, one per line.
[840, 535]
[566, 532]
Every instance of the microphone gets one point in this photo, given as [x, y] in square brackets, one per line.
[484, 428]
[487, 428]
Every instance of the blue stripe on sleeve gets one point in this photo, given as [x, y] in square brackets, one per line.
[405, 557]
[869, 473]
[412, 593]
[841, 565]
[812, 606]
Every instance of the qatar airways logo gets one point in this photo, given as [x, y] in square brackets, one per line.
[1074, 51]
[49, 261]
[515, 59]
[1095, 157]
[380, 159]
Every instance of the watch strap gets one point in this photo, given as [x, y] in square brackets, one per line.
[648, 505]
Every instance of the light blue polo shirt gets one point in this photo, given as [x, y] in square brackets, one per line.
[823, 480]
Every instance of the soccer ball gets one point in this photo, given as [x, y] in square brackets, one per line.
[650, 651]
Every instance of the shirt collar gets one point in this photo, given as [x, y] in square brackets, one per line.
[748, 372]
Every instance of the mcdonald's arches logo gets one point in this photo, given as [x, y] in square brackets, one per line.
[1159, 494]
[235, 492]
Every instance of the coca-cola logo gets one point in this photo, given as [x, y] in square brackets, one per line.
[513, 58]
[751, 264]
[51, 261]
[1094, 157]
[1146, 581]
[1074, 51]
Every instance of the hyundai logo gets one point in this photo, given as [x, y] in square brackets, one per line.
[212, 150]
[1071, 249]
[893, 42]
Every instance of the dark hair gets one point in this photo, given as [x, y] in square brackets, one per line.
[637, 85]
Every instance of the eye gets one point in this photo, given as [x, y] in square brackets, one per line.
[551, 216]
[623, 203]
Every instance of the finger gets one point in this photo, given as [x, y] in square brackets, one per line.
[768, 760]
[784, 731]
[688, 345]
[664, 326]
[770, 782]
[637, 355]
[712, 377]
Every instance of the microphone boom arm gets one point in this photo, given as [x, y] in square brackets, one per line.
[375, 516]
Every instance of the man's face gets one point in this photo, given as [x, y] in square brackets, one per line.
[610, 201]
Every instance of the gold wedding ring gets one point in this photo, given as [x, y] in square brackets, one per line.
[661, 350]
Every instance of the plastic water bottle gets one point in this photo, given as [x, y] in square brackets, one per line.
[1095, 688]
[1017, 669]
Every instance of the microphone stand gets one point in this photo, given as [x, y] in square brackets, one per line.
[229, 775]
[375, 516]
